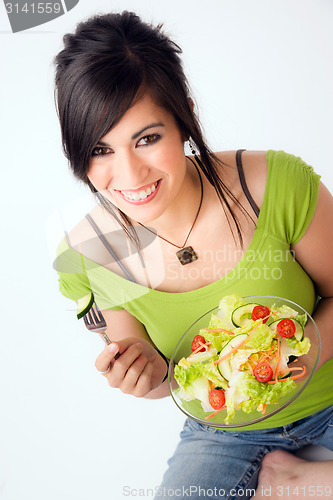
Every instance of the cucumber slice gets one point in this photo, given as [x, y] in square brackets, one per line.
[242, 315]
[84, 305]
[224, 367]
[299, 333]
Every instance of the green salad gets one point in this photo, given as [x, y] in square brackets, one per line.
[243, 360]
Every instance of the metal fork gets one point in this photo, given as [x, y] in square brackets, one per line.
[95, 322]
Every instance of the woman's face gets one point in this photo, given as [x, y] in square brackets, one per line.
[140, 164]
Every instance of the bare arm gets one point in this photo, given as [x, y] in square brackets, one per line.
[314, 253]
[281, 470]
[140, 369]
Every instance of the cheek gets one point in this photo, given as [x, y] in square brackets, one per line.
[98, 176]
[172, 158]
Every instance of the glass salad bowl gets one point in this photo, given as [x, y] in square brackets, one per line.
[244, 361]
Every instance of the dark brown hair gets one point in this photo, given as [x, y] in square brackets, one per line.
[105, 65]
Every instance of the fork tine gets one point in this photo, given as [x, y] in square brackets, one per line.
[90, 320]
[93, 313]
[95, 322]
[99, 313]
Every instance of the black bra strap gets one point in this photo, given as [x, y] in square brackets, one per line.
[243, 182]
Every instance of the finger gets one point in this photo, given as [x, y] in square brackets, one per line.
[144, 383]
[122, 365]
[132, 375]
[104, 360]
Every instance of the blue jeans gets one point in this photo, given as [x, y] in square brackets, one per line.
[215, 464]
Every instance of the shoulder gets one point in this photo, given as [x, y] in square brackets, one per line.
[80, 236]
[255, 171]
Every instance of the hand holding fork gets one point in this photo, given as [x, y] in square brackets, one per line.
[149, 362]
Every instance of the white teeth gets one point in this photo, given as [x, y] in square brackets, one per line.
[142, 195]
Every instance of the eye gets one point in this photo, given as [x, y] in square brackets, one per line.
[148, 139]
[100, 151]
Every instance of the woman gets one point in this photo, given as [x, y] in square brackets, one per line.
[172, 234]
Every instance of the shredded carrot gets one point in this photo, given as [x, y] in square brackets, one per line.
[294, 377]
[214, 330]
[253, 329]
[201, 345]
[215, 412]
[249, 367]
[263, 358]
[233, 349]
[269, 350]
[278, 359]
[266, 356]
[269, 315]
[218, 330]
[290, 369]
[287, 378]
[264, 406]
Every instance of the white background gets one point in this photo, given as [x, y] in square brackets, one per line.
[261, 72]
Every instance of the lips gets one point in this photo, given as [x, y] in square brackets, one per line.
[142, 195]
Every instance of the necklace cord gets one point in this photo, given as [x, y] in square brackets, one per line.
[196, 217]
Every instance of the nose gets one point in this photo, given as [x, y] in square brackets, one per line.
[131, 170]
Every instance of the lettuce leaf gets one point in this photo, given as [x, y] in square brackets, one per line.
[252, 394]
[218, 339]
[185, 375]
[302, 319]
[261, 339]
[212, 373]
[193, 384]
[283, 311]
[227, 306]
[198, 389]
[217, 322]
[201, 357]
[298, 347]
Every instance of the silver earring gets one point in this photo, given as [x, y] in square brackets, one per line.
[191, 147]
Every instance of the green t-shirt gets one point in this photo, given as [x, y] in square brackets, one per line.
[268, 267]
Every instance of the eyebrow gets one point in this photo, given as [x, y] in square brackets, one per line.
[137, 134]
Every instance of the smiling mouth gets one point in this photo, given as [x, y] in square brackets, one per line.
[141, 195]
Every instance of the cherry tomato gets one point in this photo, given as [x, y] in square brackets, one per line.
[198, 339]
[216, 399]
[263, 372]
[260, 312]
[286, 328]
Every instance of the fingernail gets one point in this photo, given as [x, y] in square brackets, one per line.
[113, 348]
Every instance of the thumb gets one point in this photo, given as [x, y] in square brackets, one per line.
[113, 349]
[121, 345]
